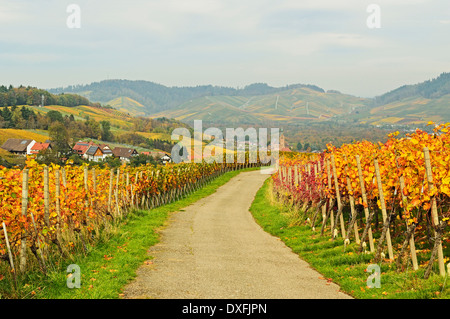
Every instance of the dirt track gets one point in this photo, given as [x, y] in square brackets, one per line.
[214, 249]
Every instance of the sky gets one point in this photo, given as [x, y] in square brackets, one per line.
[231, 43]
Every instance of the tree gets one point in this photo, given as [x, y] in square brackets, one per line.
[142, 159]
[55, 116]
[299, 146]
[60, 139]
[106, 131]
[93, 129]
[306, 146]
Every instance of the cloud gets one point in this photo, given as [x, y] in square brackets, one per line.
[218, 41]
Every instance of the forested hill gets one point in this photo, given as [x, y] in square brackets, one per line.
[156, 97]
[11, 96]
[431, 89]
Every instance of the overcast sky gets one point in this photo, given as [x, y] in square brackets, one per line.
[226, 42]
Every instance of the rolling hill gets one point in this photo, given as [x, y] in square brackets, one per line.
[293, 105]
[261, 104]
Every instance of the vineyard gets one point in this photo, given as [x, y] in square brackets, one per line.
[392, 199]
[52, 212]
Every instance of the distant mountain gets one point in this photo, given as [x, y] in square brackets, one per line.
[156, 97]
[288, 106]
[431, 89]
[260, 103]
[412, 104]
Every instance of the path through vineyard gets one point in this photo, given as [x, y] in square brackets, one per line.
[214, 249]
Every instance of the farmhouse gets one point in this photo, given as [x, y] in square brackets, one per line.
[37, 147]
[124, 154]
[107, 151]
[94, 153]
[18, 146]
[81, 148]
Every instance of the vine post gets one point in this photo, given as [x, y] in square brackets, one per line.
[434, 212]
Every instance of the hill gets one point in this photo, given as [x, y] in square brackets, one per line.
[156, 97]
[287, 106]
[261, 104]
[412, 104]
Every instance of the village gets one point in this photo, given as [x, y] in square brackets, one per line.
[86, 150]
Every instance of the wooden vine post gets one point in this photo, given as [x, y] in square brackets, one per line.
[412, 245]
[11, 260]
[330, 202]
[365, 204]
[296, 175]
[338, 198]
[46, 197]
[116, 193]
[328, 211]
[353, 221]
[383, 212]
[434, 214]
[58, 205]
[23, 242]
[111, 180]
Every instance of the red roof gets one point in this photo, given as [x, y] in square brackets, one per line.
[82, 147]
[37, 147]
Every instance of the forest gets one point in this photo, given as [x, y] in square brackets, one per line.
[11, 96]
[430, 89]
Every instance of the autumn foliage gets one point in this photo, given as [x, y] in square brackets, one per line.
[309, 180]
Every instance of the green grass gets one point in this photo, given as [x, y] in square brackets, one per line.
[110, 264]
[344, 266]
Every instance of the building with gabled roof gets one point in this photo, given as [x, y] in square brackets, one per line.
[124, 153]
[94, 153]
[107, 151]
[81, 147]
[18, 146]
[37, 147]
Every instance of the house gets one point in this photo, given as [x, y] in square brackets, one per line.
[124, 154]
[18, 146]
[37, 147]
[94, 153]
[81, 148]
[107, 151]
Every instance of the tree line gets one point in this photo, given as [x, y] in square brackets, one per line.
[11, 96]
[431, 89]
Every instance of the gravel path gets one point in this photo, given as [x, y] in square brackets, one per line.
[213, 249]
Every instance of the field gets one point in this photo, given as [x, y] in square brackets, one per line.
[6, 134]
[118, 119]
